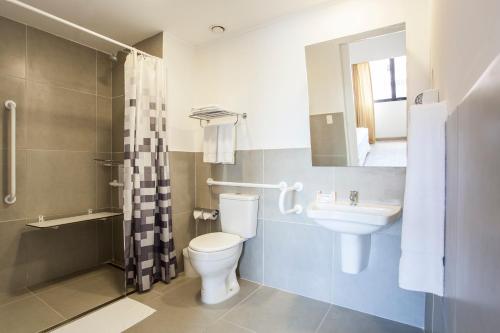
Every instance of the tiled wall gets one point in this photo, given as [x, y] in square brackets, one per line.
[471, 300]
[182, 165]
[292, 253]
[63, 96]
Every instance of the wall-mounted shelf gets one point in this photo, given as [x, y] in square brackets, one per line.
[108, 163]
[72, 219]
[212, 112]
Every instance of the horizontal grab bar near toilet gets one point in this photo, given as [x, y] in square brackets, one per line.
[282, 186]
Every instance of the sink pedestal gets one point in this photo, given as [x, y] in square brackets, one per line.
[355, 252]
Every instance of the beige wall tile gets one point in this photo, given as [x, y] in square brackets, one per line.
[183, 230]
[18, 209]
[118, 81]
[182, 170]
[104, 124]
[152, 45]
[61, 62]
[13, 41]
[57, 252]
[203, 171]
[118, 108]
[60, 119]
[103, 177]
[104, 79]
[14, 89]
[118, 240]
[104, 241]
[14, 259]
[61, 182]
[328, 139]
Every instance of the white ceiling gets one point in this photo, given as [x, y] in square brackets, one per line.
[130, 21]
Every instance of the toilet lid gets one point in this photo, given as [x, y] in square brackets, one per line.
[215, 241]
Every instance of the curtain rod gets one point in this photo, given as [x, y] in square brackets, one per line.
[76, 26]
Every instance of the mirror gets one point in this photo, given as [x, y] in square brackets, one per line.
[357, 99]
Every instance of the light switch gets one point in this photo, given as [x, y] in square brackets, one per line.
[329, 119]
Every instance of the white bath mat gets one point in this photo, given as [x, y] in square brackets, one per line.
[116, 317]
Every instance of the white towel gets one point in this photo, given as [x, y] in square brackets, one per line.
[210, 144]
[226, 143]
[422, 242]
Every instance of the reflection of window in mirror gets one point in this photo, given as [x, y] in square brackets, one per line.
[388, 79]
[379, 88]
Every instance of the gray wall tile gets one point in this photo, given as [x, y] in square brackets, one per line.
[60, 119]
[251, 265]
[375, 290]
[298, 258]
[293, 165]
[58, 61]
[13, 41]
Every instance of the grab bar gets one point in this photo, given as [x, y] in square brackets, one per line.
[11, 197]
[282, 186]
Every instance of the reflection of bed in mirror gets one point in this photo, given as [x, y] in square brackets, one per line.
[363, 144]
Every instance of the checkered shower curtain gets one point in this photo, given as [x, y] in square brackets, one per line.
[149, 245]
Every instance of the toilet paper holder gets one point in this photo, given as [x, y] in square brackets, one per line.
[205, 214]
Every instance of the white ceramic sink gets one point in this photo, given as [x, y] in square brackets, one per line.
[362, 219]
[355, 224]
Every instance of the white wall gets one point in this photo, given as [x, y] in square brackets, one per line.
[263, 72]
[390, 119]
[465, 41]
[383, 47]
[181, 76]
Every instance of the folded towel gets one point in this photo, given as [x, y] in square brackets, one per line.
[422, 242]
[226, 143]
[210, 144]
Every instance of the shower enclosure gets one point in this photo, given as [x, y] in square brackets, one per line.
[62, 151]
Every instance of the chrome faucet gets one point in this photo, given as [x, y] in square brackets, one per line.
[354, 198]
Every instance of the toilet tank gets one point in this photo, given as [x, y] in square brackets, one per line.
[238, 213]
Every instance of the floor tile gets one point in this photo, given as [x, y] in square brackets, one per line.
[27, 315]
[271, 310]
[223, 326]
[181, 310]
[73, 298]
[341, 320]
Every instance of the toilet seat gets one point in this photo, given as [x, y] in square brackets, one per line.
[215, 242]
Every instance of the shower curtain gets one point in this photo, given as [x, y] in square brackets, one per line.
[149, 245]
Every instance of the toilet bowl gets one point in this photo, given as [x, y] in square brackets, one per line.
[215, 257]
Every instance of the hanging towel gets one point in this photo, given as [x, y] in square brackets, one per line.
[422, 241]
[210, 144]
[226, 143]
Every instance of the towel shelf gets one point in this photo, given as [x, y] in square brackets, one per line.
[207, 114]
[72, 219]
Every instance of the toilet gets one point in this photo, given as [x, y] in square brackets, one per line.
[215, 255]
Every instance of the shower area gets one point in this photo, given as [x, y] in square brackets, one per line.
[62, 158]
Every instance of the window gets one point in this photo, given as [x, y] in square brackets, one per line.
[389, 79]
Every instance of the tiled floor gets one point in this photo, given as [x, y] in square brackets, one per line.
[254, 309]
[45, 305]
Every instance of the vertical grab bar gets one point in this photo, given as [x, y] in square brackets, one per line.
[297, 209]
[11, 197]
